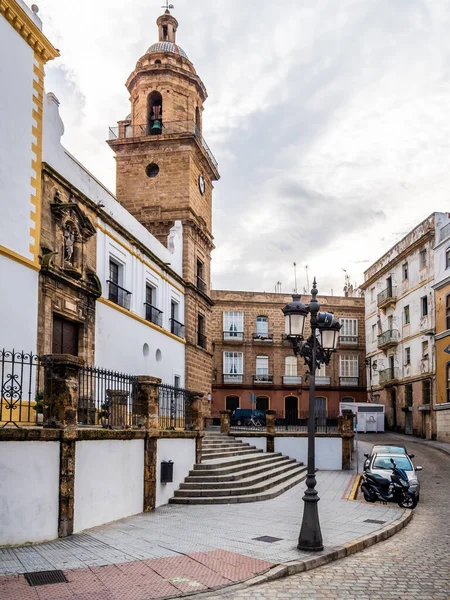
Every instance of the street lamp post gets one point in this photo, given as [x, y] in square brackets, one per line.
[314, 352]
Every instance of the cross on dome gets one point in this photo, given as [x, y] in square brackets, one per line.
[168, 6]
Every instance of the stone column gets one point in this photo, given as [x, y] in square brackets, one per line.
[150, 447]
[197, 412]
[146, 404]
[198, 448]
[345, 429]
[270, 427]
[225, 421]
[61, 390]
[66, 482]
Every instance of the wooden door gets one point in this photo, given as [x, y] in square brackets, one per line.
[65, 336]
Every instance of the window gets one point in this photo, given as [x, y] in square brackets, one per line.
[425, 349]
[290, 366]
[424, 305]
[233, 325]
[322, 372]
[348, 369]
[406, 315]
[233, 365]
[426, 391]
[152, 314]
[320, 405]
[407, 356]
[408, 395]
[201, 338]
[374, 333]
[372, 294]
[231, 403]
[448, 382]
[165, 32]
[405, 270]
[447, 258]
[422, 259]
[262, 327]
[262, 403]
[117, 293]
[177, 381]
[262, 368]
[201, 283]
[176, 327]
[349, 331]
[447, 311]
[347, 399]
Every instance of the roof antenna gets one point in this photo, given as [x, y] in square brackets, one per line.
[295, 277]
[307, 279]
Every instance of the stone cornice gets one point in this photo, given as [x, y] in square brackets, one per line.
[24, 25]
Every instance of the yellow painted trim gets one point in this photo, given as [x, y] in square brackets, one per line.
[142, 260]
[36, 164]
[26, 262]
[136, 317]
[354, 490]
[30, 32]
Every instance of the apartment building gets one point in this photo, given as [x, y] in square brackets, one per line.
[255, 367]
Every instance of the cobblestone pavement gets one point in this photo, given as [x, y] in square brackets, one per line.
[412, 565]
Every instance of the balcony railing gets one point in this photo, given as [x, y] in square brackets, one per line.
[233, 336]
[201, 285]
[390, 337]
[387, 296]
[349, 381]
[388, 375]
[292, 379]
[119, 295]
[153, 314]
[177, 328]
[323, 380]
[168, 128]
[348, 340]
[236, 378]
[262, 337]
[201, 340]
[262, 378]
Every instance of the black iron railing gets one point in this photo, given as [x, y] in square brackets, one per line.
[23, 388]
[175, 408]
[201, 340]
[107, 398]
[233, 336]
[325, 421]
[235, 378]
[201, 285]
[153, 314]
[387, 295]
[119, 295]
[292, 379]
[389, 337]
[262, 378]
[177, 328]
[167, 128]
[263, 337]
[349, 381]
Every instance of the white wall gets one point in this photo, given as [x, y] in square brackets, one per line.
[259, 442]
[109, 481]
[182, 453]
[328, 451]
[18, 307]
[29, 490]
[16, 105]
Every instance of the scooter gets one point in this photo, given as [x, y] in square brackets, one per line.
[375, 487]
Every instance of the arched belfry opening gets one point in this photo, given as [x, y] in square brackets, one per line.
[198, 121]
[154, 114]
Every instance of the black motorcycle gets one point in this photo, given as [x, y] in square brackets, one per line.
[396, 489]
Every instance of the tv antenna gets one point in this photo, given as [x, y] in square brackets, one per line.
[295, 277]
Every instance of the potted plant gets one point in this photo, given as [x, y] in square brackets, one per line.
[103, 414]
[39, 408]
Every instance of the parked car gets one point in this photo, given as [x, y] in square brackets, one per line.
[385, 449]
[380, 464]
[241, 415]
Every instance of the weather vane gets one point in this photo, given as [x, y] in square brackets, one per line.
[167, 5]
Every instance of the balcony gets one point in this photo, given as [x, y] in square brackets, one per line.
[263, 378]
[177, 328]
[153, 314]
[233, 378]
[349, 381]
[201, 285]
[389, 338]
[323, 380]
[119, 295]
[169, 128]
[201, 340]
[387, 375]
[292, 379]
[233, 336]
[387, 297]
[263, 337]
[348, 340]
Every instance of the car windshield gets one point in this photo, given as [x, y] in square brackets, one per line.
[384, 462]
[388, 450]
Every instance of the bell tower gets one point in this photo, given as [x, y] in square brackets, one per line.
[165, 172]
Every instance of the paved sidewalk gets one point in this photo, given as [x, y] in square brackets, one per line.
[178, 549]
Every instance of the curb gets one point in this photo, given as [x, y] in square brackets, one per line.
[300, 566]
[354, 490]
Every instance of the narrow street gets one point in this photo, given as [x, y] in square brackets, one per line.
[413, 565]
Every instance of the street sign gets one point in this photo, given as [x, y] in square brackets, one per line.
[252, 398]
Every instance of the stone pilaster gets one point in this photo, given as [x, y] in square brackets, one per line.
[225, 421]
[270, 426]
[150, 473]
[61, 390]
[198, 448]
[345, 429]
[66, 483]
[146, 406]
[197, 412]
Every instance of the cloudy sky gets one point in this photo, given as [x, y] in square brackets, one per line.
[329, 119]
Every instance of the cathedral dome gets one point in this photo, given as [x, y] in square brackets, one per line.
[167, 47]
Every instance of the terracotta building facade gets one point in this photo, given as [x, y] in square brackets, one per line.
[253, 362]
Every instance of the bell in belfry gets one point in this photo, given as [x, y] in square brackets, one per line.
[156, 127]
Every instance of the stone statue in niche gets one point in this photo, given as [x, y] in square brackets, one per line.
[69, 240]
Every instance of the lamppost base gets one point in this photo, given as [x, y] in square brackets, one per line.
[308, 548]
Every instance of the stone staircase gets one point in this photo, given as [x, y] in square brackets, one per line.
[233, 471]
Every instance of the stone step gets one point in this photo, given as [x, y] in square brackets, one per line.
[214, 445]
[238, 472]
[211, 454]
[273, 492]
[227, 465]
[244, 479]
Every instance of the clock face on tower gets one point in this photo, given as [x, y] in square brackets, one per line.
[201, 184]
